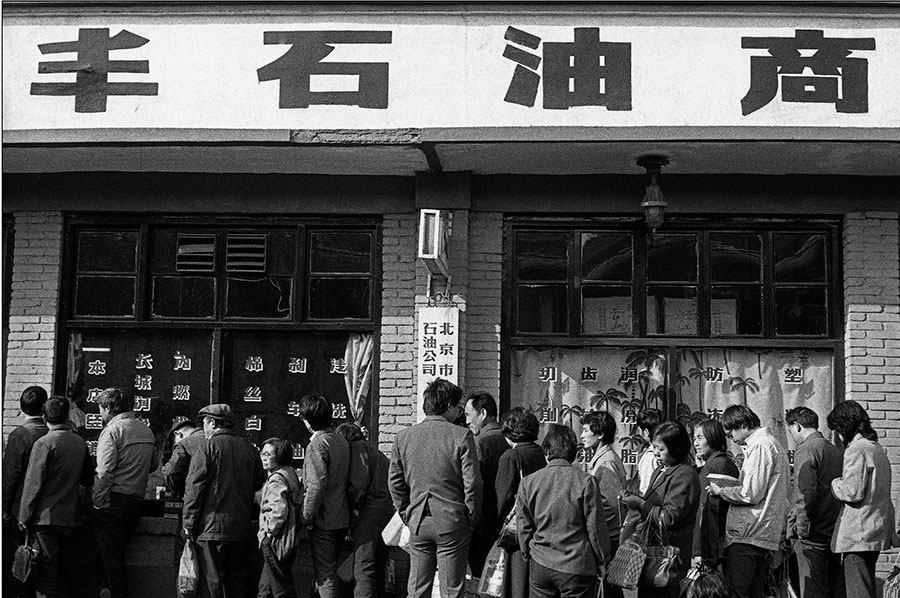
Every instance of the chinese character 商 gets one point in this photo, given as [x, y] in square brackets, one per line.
[96, 368]
[833, 77]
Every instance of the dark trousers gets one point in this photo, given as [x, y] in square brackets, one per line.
[325, 545]
[276, 580]
[819, 570]
[114, 526]
[745, 570]
[369, 552]
[226, 565]
[479, 547]
[51, 539]
[547, 583]
[859, 574]
[447, 553]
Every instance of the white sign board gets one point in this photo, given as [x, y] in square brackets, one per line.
[437, 340]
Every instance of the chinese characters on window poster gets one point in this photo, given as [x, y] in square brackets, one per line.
[437, 342]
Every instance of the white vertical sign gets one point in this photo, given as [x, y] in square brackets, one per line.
[437, 339]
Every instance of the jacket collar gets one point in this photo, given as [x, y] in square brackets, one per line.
[601, 450]
[223, 431]
[490, 427]
[661, 474]
[558, 463]
[812, 435]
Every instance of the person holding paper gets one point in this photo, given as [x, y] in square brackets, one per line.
[710, 445]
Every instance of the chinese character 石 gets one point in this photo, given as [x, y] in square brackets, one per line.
[714, 413]
[338, 411]
[584, 72]
[253, 423]
[293, 408]
[254, 363]
[550, 415]
[833, 78]
[253, 394]
[93, 394]
[143, 361]
[429, 369]
[629, 457]
[96, 368]
[304, 59]
[445, 369]
[446, 349]
[429, 342]
[447, 329]
[338, 366]
[429, 328]
[299, 452]
[143, 382]
[548, 374]
[297, 365]
[141, 403]
[92, 67]
[713, 374]
[182, 361]
[93, 421]
[588, 373]
[629, 416]
[629, 375]
[793, 375]
[181, 392]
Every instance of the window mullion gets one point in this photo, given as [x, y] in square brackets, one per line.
[639, 283]
[704, 324]
[574, 283]
[768, 283]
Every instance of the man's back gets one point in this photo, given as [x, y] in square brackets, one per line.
[176, 470]
[816, 463]
[490, 446]
[15, 461]
[60, 462]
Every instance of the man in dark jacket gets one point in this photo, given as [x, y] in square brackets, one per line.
[811, 521]
[15, 463]
[481, 417]
[218, 502]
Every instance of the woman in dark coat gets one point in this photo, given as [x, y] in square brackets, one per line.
[711, 446]
[520, 428]
[671, 499]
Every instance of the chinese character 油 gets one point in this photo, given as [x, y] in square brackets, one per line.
[584, 72]
[182, 361]
[96, 368]
[181, 392]
[143, 382]
[588, 373]
[713, 374]
[293, 409]
[429, 342]
[141, 403]
[93, 421]
[254, 363]
[303, 60]
[297, 365]
[338, 366]
[808, 67]
[253, 394]
[793, 375]
[253, 423]
[92, 67]
[548, 374]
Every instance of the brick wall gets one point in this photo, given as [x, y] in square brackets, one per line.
[484, 302]
[872, 327]
[33, 308]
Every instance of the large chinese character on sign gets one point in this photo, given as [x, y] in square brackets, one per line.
[809, 67]
[303, 60]
[92, 67]
[584, 72]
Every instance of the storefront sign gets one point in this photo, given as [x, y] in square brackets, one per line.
[459, 71]
[438, 347]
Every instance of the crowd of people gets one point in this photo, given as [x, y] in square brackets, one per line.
[731, 516]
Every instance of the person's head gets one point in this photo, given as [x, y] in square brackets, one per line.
[112, 402]
[709, 585]
[316, 412]
[560, 442]
[276, 452]
[183, 429]
[442, 397]
[598, 428]
[351, 432]
[56, 411]
[648, 419]
[739, 422]
[481, 408]
[801, 422]
[671, 443]
[849, 419]
[216, 416]
[32, 401]
[519, 425]
[709, 438]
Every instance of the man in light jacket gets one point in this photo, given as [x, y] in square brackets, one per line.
[759, 505]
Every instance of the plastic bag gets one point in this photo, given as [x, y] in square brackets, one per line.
[493, 575]
[396, 533]
[189, 571]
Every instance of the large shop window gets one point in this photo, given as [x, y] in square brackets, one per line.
[186, 313]
[689, 320]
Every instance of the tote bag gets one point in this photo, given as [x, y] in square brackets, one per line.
[25, 560]
[661, 564]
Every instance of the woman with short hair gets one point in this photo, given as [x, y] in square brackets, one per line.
[711, 445]
[280, 497]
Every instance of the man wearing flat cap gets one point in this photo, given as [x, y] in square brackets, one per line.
[218, 502]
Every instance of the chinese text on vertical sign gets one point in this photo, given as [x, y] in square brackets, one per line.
[438, 345]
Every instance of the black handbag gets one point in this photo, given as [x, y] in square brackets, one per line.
[25, 560]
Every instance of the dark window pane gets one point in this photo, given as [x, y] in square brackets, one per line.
[799, 257]
[735, 310]
[337, 298]
[735, 257]
[672, 258]
[606, 256]
[107, 251]
[801, 311]
[542, 256]
[258, 298]
[340, 252]
[184, 296]
[606, 310]
[104, 296]
[543, 308]
[672, 310]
